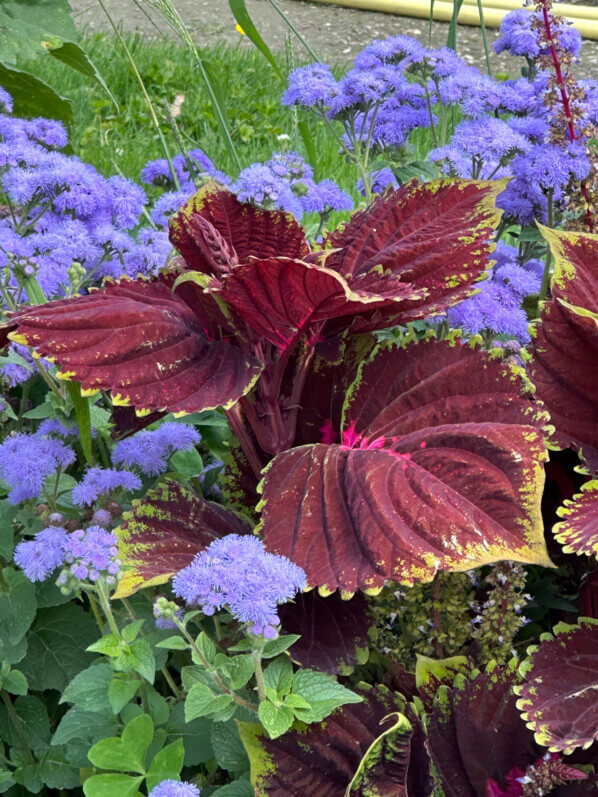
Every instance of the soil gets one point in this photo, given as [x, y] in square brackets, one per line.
[336, 34]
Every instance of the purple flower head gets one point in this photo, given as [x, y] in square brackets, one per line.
[258, 184]
[174, 788]
[518, 36]
[100, 481]
[51, 426]
[163, 620]
[42, 555]
[127, 201]
[92, 553]
[5, 100]
[325, 196]
[47, 132]
[290, 166]
[237, 572]
[15, 374]
[550, 167]
[150, 450]
[26, 460]
[168, 204]
[310, 86]
[401, 51]
[101, 517]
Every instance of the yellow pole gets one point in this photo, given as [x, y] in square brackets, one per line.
[443, 12]
[562, 9]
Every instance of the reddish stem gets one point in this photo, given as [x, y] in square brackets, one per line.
[564, 100]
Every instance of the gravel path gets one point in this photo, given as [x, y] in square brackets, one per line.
[335, 33]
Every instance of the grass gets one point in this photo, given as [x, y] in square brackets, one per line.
[125, 140]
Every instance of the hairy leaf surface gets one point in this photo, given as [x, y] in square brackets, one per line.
[164, 531]
[444, 473]
[558, 696]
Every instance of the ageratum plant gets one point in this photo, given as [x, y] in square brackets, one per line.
[308, 505]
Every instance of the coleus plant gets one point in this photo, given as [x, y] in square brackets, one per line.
[420, 457]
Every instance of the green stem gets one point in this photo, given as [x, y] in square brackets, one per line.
[24, 399]
[217, 679]
[105, 604]
[150, 106]
[294, 29]
[95, 610]
[485, 38]
[546, 274]
[256, 655]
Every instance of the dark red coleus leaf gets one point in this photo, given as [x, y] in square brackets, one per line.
[143, 343]
[565, 346]
[558, 696]
[475, 734]
[280, 298]
[436, 236]
[163, 533]
[214, 232]
[578, 531]
[439, 468]
[334, 632]
[370, 747]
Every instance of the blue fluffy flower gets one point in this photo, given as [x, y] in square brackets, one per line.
[100, 481]
[174, 788]
[237, 572]
[42, 555]
[26, 460]
[150, 450]
[310, 86]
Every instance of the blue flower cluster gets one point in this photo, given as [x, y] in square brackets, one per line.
[101, 481]
[68, 223]
[85, 555]
[150, 450]
[519, 36]
[286, 182]
[497, 307]
[237, 572]
[174, 788]
[27, 460]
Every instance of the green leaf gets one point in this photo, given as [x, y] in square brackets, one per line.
[238, 788]
[121, 691]
[74, 56]
[57, 645]
[108, 645]
[275, 719]
[32, 718]
[207, 648]
[157, 706]
[240, 670]
[81, 406]
[451, 41]
[30, 32]
[111, 785]
[17, 607]
[89, 689]
[127, 753]
[187, 463]
[166, 765]
[310, 147]
[7, 513]
[143, 659]
[241, 14]
[174, 642]
[55, 771]
[32, 97]
[274, 647]
[15, 683]
[203, 701]
[195, 735]
[86, 725]
[322, 692]
[131, 631]
[278, 675]
[296, 701]
[228, 747]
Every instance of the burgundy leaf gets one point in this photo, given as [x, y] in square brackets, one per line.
[558, 696]
[565, 346]
[334, 632]
[475, 734]
[323, 760]
[214, 231]
[436, 236]
[455, 483]
[578, 531]
[279, 298]
[143, 343]
[163, 533]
